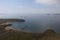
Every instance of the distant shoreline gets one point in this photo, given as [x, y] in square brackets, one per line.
[11, 20]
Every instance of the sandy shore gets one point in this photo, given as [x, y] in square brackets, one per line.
[10, 28]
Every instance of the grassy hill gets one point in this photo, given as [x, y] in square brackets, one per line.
[19, 35]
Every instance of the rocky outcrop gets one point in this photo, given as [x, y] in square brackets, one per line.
[50, 35]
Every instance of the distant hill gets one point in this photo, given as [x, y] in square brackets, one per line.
[56, 14]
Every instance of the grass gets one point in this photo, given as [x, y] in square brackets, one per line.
[16, 35]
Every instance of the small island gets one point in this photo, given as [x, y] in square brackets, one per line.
[57, 14]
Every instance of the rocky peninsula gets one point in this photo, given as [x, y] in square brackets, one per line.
[11, 20]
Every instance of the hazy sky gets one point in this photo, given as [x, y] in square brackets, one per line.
[29, 6]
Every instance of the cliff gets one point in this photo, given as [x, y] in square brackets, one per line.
[20, 35]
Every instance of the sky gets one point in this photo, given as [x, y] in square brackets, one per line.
[19, 7]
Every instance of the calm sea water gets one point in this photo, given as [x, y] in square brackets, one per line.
[39, 23]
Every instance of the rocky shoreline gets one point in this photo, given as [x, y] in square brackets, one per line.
[6, 25]
[9, 33]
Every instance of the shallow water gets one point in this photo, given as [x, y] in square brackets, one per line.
[39, 23]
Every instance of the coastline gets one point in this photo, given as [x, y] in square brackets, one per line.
[11, 20]
[11, 33]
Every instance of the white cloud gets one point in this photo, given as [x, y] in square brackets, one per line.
[47, 1]
[24, 9]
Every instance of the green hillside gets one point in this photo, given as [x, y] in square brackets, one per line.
[19, 35]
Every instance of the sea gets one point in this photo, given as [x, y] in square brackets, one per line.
[38, 23]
